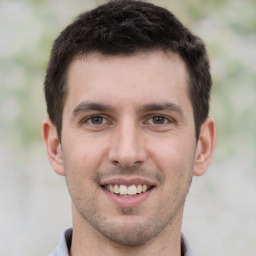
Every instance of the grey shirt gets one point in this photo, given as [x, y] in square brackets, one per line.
[64, 244]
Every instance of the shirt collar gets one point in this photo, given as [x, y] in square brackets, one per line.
[185, 246]
[64, 245]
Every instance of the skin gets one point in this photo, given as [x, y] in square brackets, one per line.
[128, 119]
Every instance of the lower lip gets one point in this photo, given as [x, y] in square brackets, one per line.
[128, 201]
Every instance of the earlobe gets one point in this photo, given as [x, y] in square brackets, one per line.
[53, 146]
[205, 146]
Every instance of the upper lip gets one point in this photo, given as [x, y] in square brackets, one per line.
[128, 181]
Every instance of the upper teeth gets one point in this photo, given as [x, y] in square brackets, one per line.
[127, 190]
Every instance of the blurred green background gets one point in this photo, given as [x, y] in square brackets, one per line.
[220, 217]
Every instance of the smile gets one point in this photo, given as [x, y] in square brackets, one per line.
[124, 190]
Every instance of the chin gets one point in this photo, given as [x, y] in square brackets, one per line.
[131, 231]
[131, 236]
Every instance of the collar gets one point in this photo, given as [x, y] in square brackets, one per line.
[185, 247]
[64, 245]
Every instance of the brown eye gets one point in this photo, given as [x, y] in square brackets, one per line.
[97, 120]
[158, 120]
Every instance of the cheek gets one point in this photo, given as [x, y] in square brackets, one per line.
[84, 156]
[81, 164]
[174, 157]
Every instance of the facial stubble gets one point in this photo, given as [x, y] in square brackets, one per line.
[133, 230]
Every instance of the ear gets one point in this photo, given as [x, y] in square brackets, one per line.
[205, 146]
[53, 146]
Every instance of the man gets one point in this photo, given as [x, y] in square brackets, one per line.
[127, 91]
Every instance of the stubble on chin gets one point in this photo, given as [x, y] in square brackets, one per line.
[132, 231]
[127, 211]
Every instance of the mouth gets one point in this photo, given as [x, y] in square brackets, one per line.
[127, 191]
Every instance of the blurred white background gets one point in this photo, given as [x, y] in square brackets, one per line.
[220, 215]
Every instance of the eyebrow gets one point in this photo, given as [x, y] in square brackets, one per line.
[89, 106]
[96, 106]
[162, 106]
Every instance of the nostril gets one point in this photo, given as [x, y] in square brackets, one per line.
[115, 162]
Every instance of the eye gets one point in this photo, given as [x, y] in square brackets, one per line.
[158, 120]
[95, 120]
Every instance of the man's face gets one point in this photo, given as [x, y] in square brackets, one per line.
[128, 143]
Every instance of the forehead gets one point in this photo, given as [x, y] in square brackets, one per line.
[140, 78]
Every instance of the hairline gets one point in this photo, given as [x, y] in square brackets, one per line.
[82, 55]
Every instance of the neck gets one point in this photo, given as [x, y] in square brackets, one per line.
[87, 240]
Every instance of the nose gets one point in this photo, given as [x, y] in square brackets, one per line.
[127, 146]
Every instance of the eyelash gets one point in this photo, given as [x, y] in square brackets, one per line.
[165, 119]
[90, 118]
